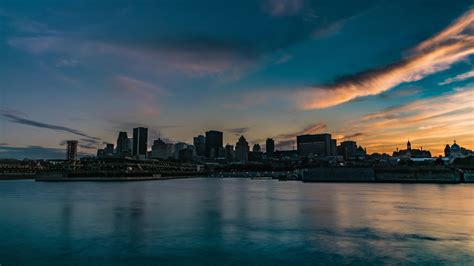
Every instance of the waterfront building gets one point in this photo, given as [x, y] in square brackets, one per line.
[71, 150]
[411, 153]
[122, 144]
[456, 151]
[200, 144]
[316, 145]
[242, 150]
[270, 147]
[140, 142]
[347, 149]
[214, 144]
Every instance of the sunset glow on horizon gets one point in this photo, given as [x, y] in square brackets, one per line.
[376, 72]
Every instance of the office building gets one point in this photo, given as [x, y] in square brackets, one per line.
[316, 145]
[122, 144]
[229, 152]
[200, 145]
[214, 142]
[270, 146]
[71, 150]
[242, 150]
[140, 142]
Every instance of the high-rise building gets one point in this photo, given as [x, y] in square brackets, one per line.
[242, 150]
[229, 152]
[270, 146]
[71, 150]
[214, 140]
[122, 143]
[200, 145]
[256, 148]
[140, 142]
[317, 145]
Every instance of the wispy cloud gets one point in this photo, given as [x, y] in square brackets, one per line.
[194, 56]
[14, 117]
[428, 122]
[435, 54]
[285, 140]
[33, 152]
[459, 77]
[140, 87]
[283, 7]
[238, 130]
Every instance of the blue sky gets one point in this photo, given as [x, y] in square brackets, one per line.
[378, 72]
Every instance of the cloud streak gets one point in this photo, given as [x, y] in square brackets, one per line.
[15, 118]
[458, 78]
[287, 139]
[428, 122]
[433, 55]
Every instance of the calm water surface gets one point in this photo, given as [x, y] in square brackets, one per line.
[234, 221]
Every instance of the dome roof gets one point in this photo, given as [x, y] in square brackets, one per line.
[455, 147]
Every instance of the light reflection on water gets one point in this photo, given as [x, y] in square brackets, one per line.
[234, 221]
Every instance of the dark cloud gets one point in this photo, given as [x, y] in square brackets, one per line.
[311, 129]
[86, 143]
[15, 118]
[351, 136]
[238, 130]
[33, 152]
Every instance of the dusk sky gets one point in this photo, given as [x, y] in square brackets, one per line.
[378, 72]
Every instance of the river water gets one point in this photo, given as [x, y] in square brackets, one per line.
[234, 222]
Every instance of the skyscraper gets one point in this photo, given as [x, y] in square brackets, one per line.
[242, 150]
[229, 152]
[71, 151]
[270, 146]
[200, 145]
[122, 143]
[214, 140]
[140, 140]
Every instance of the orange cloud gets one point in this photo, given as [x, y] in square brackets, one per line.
[429, 123]
[433, 55]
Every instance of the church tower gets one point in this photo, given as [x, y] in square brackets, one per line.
[408, 146]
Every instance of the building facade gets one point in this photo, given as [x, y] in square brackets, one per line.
[200, 145]
[270, 146]
[214, 144]
[316, 145]
[242, 150]
[140, 142]
[71, 150]
[123, 144]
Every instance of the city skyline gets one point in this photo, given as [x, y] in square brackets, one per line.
[262, 69]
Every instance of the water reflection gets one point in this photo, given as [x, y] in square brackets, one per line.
[201, 221]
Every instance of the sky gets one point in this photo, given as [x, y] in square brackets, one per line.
[378, 72]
